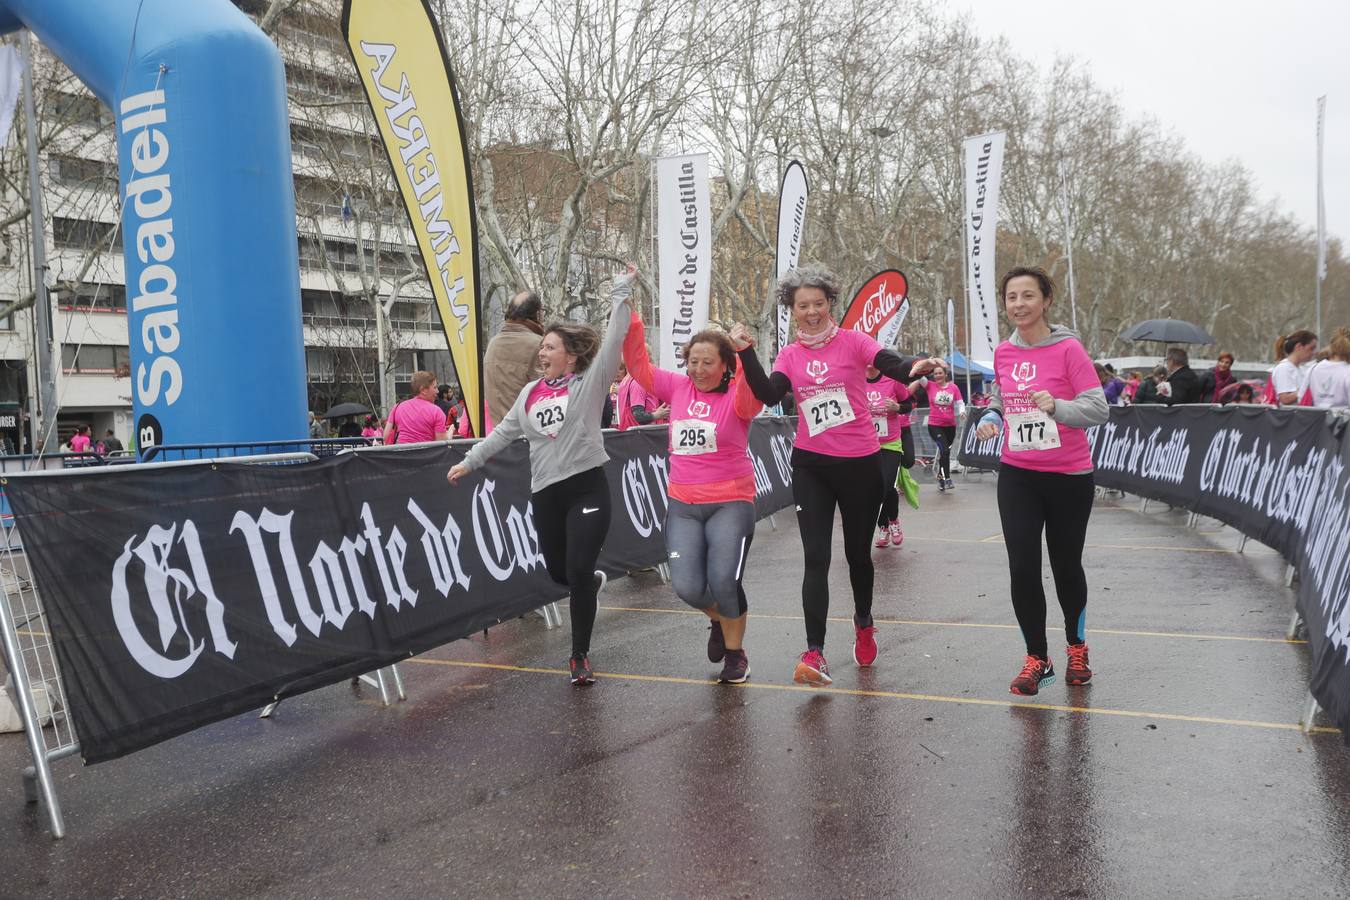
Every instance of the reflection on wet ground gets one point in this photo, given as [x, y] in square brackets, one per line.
[1179, 771]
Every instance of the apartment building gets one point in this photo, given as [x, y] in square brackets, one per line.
[358, 260]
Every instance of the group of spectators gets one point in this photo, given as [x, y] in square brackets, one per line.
[82, 441]
[1302, 377]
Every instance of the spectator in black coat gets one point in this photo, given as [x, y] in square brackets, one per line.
[1182, 385]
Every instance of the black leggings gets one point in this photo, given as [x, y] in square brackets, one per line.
[1060, 504]
[944, 436]
[907, 447]
[890, 497]
[854, 486]
[571, 518]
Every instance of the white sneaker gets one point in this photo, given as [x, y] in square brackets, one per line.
[883, 537]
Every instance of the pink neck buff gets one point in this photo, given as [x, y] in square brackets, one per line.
[820, 338]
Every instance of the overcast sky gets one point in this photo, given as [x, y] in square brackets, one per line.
[1237, 79]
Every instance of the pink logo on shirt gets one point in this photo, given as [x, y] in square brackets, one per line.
[700, 409]
[817, 369]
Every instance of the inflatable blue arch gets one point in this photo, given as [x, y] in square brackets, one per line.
[208, 210]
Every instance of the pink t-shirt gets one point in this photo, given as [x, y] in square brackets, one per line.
[79, 443]
[829, 387]
[887, 425]
[629, 395]
[417, 420]
[700, 420]
[942, 403]
[1065, 370]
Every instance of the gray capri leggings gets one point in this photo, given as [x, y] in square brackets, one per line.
[708, 544]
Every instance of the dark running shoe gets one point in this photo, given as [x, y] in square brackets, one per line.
[1035, 672]
[1077, 671]
[581, 671]
[717, 647]
[736, 669]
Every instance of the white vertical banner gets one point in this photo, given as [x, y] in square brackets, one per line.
[983, 166]
[1321, 200]
[683, 251]
[951, 330]
[11, 77]
[791, 228]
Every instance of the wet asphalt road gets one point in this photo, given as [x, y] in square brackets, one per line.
[1178, 772]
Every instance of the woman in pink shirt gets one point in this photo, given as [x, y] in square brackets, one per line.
[417, 419]
[836, 461]
[634, 405]
[945, 404]
[79, 442]
[711, 517]
[1045, 393]
[886, 400]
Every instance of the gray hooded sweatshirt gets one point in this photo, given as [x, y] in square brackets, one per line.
[1084, 411]
[579, 445]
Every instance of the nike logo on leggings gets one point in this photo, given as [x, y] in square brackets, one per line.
[584, 510]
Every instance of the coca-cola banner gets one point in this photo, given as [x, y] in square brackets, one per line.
[1279, 476]
[181, 595]
[879, 308]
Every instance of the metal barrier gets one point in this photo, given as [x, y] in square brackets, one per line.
[321, 448]
[26, 638]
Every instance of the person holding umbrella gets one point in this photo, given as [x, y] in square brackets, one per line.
[1182, 384]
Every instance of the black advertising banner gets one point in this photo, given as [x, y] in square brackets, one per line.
[181, 595]
[1281, 476]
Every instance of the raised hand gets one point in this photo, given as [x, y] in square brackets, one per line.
[740, 337]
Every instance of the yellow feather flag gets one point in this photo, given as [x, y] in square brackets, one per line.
[406, 73]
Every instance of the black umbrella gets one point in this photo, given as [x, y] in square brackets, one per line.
[346, 409]
[1168, 331]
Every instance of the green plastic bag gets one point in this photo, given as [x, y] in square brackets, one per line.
[905, 483]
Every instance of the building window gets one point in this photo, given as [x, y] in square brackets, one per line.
[73, 171]
[107, 298]
[82, 234]
[95, 359]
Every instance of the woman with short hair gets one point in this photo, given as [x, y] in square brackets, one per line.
[836, 460]
[559, 415]
[710, 519]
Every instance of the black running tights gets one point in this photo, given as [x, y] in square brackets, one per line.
[890, 498]
[855, 487]
[1029, 502]
[944, 436]
[571, 518]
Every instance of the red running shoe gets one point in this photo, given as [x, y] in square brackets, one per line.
[864, 643]
[1035, 672]
[811, 669]
[897, 535]
[1077, 670]
[883, 538]
[581, 671]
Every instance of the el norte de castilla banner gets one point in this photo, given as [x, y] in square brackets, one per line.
[261, 582]
[405, 71]
[684, 252]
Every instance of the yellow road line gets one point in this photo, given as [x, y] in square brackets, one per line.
[880, 621]
[998, 540]
[889, 695]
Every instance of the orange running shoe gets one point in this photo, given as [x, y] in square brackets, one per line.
[1035, 672]
[811, 669]
[1077, 670]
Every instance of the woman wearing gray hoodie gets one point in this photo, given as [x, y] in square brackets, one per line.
[559, 414]
[1046, 393]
